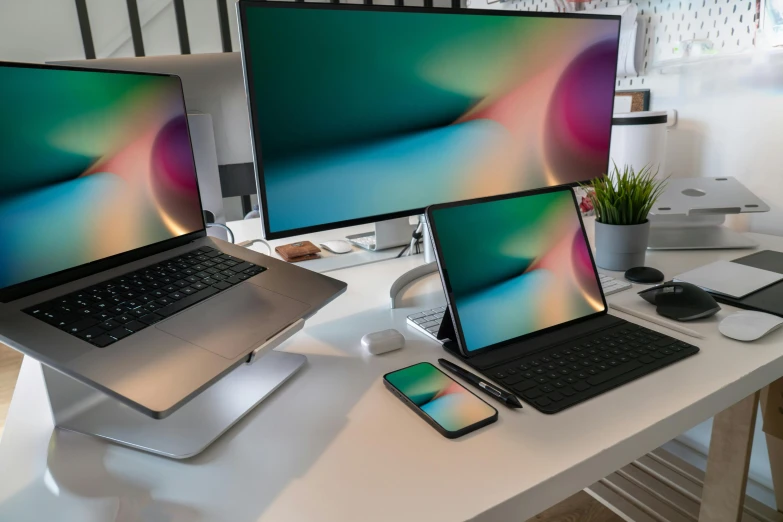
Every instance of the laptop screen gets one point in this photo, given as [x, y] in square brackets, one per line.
[515, 266]
[94, 164]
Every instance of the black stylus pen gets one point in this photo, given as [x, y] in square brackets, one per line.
[500, 394]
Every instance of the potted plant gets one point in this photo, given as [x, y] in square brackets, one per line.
[622, 201]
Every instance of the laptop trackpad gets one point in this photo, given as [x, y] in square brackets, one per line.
[235, 321]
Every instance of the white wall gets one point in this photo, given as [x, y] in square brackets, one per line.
[52, 25]
[48, 30]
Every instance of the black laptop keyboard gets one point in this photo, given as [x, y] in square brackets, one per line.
[115, 309]
[567, 374]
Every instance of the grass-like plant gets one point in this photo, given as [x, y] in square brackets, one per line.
[625, 198]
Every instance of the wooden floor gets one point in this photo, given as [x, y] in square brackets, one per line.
[578, 508]
[10, 361]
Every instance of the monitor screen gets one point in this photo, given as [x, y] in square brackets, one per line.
[94, 164]
[516, 266]
[363, 114]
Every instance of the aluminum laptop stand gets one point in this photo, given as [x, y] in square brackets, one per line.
[691, 213]
[189, 430]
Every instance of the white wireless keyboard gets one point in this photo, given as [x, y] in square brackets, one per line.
[428, 321]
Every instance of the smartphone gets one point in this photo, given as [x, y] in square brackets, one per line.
[441, 401]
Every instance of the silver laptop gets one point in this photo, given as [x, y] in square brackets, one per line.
[106, 271]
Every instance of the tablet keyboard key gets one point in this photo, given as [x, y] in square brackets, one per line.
[567, 391]
[614, 372]
[581, 386]
[532, 394]
[524, 386]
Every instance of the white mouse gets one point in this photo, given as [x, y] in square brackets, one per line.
[749, 326]
[384, 341]
[338, 246]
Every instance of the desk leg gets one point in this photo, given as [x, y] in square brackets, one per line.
[772, 408]
[727, 464]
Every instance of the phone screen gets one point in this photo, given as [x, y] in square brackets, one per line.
[443, 399]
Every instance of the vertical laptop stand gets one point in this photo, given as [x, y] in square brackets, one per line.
[189, 430]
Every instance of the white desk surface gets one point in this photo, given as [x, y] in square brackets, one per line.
[333, 444]
[251, 229]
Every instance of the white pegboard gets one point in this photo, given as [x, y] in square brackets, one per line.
[729, 24]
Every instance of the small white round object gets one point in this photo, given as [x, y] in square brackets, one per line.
[384, 341]
[337, 246]
[749, 326]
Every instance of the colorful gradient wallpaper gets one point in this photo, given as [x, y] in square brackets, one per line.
[516, 266]
[93, 164]
[364, 113]
[444, 400]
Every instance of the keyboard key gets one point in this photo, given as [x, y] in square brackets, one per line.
[110, 324]
[532, 394]
[135, 326]
[91, 333]
[80, 325]
[559, 384]
[614, 372]
[546, 389]
[567, 391]
[555, 397]
[182, 283]
[541, 380]
[499, 375]
[524, 386]
[553, 375]
[666, 341]
[180, 305]
[581, 386]
[151, 319]
[513, 379]
[222, 285]
[120, 333]
[241, 267]
[102, 341]
[543, 402]
[511, 371]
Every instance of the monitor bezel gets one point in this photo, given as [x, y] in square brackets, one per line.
[443, 269]
[242, 7]
[39, 284]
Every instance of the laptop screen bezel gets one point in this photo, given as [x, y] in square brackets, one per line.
[451, 302]
[39, 284]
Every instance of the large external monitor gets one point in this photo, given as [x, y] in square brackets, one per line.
[367, 113]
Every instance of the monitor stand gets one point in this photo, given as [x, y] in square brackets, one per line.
[430, 265]
[387, 234]
[695, 232]
[189, 430]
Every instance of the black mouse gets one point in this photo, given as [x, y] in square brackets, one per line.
[644, 274]
[681, 301]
